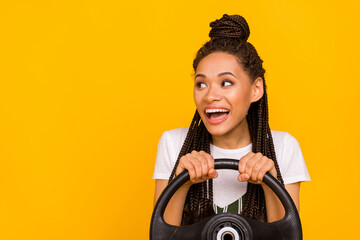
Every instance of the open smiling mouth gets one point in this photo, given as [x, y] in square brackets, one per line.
[218, 115]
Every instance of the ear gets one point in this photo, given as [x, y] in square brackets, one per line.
[257, 89]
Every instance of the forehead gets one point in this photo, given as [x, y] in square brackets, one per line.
[218, 62]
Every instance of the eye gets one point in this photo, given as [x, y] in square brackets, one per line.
[200, 85]
[227, 83]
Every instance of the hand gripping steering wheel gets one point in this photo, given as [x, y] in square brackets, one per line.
[227, 226]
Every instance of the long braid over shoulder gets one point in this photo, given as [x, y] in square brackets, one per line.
[229, 34]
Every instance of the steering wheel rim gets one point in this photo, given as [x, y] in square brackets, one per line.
[289, 227]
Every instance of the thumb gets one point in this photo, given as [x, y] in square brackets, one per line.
[213, 173]
[243, 177]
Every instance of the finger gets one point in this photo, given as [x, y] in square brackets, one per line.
[204, 165]
[198, 169]
[185, 163]
[209, 158]
[180, 166]
[210, 164]
[243, 161]
[213, 173]
[243, 177]
[251, 162]
[259, 165]
[196, 161]
[268, 165]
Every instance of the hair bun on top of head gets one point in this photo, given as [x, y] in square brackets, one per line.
[230, 26]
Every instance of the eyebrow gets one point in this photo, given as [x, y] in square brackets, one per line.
[219, 75]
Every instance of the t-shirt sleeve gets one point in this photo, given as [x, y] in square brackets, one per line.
[164, 158]
[293, 167]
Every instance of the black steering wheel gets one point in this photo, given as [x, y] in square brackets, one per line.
[227, 226]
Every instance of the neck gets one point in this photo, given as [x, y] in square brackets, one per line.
[237, 138]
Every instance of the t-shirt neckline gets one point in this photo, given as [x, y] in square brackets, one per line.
[243, 149]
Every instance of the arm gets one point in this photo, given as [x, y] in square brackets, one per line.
[174, 210]
[274, 209]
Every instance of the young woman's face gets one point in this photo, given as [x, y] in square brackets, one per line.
[223, 93]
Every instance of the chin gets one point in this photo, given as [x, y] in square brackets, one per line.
[216, 130]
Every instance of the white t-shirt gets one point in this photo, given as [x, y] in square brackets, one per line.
[226, 188]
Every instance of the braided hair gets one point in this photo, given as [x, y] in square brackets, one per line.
[229, 34]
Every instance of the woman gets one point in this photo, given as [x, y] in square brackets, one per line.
[231, 121]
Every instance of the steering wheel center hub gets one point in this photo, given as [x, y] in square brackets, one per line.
[227, 226]
[227, 233]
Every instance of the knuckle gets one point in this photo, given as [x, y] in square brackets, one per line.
[248, 171]
[190, 167]
[256, 167]
[211, 163]
[271, 166]
[197, 164]
[183, 159]
[262, 172]
[203, 160]
[243, 160]
[250, 164]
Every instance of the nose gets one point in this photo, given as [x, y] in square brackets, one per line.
[213, 94]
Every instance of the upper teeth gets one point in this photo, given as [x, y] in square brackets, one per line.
[216, 110]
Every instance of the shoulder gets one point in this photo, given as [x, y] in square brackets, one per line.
[283, 139]
[176, 134]
[286, 147]
[169, 148]
[290, 158]
[174, 138]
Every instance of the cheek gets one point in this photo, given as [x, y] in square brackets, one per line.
[197, 98]
[241, 101]
[239, 97]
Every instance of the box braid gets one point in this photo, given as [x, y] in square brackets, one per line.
[229, 34]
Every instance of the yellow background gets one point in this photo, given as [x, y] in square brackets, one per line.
[88, 87]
